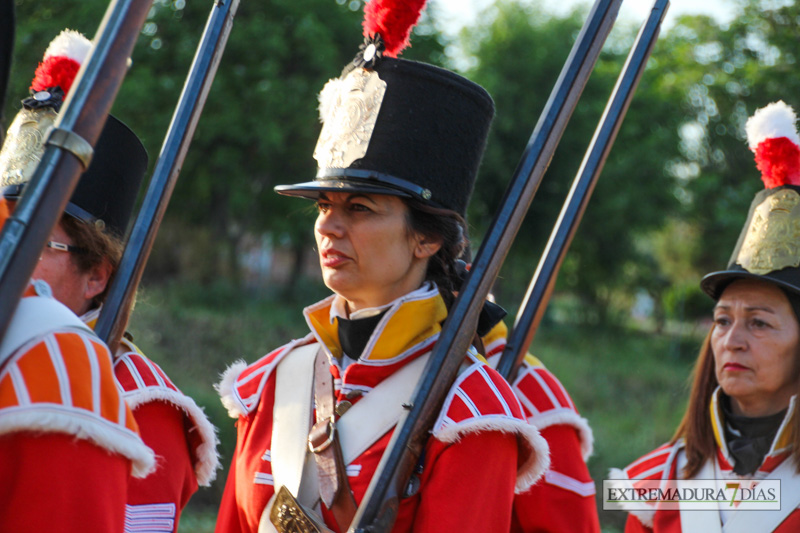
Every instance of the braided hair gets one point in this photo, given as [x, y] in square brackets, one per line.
[443, 225]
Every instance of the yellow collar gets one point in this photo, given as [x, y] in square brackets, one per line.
[408, 322]
[782, 440]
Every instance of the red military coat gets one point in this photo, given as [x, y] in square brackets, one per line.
[564, 498]
[662, 464]
[68, 441]
[177, 431]
[481, 450]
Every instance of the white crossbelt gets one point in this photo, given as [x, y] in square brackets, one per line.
[743, 520]
[358, 429]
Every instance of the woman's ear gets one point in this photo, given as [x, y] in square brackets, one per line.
[98, 279]
[426, 247]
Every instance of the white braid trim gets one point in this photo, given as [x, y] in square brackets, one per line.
[567, 417]
[101, 432]
[538, 459]
[206, 452]
[225, 389]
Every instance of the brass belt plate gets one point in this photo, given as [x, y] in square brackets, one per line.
[288, 516]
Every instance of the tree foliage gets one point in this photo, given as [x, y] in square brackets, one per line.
[676, 185]
[260, 123]
[667, 208]
[519, 52]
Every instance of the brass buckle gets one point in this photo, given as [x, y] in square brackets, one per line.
[330, 431]
[288, 516]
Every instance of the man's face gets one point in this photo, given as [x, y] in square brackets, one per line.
[70, 286]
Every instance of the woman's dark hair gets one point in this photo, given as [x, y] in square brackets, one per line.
[449, 228]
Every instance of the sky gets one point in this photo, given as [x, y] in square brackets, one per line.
[458, 13]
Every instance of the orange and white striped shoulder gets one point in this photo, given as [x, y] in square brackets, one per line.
[62, 381]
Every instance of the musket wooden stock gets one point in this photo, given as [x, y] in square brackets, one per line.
[544, 279]
[378, 509]
[84, 113]
[117, 307]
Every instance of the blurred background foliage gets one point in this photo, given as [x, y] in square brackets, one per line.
[234, 262]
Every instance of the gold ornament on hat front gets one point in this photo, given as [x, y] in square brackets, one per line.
[24, 145]
[773, 239]
[350, 120]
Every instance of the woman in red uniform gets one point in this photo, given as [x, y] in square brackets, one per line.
[397, 157]
[741, 424]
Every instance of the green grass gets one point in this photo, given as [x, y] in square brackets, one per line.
[631, 385]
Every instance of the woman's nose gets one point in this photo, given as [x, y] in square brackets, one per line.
[735, 338]
[329, 223]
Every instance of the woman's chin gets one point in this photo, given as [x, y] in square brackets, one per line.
[340, 284]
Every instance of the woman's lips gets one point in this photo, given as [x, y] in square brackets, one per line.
[332, 258]
[734, 366]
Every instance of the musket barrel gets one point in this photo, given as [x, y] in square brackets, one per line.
[543, 281]
[116, 309]
[84, 113]
[378, 509]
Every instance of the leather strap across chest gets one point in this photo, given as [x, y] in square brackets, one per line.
[334, 490]
[358, 429]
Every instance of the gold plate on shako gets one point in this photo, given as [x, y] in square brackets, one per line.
[24, 145]
[349, 108]
[289, 517]
[774, 234]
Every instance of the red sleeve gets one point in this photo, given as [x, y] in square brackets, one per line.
[55, 482]
[564, 499]
[228, 516]
[163, 428]
[468, 486]
[633, 525]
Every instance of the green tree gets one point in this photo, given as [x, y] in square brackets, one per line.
[519, 51]
[260, 123]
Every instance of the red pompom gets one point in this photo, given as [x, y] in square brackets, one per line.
[393, 20]
[55, 71]
[778, 159]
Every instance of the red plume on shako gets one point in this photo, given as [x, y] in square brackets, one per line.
[399, 127]
[106, 192]
[392, 20]
[772, 135]
[62, 61]
[769, 243]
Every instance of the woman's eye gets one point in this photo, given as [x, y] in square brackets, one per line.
[323, 207]
[721, 320]
[758, 323]
[359, 207]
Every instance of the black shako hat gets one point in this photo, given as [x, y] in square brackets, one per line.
[399, 127]
[107, 190]
[769, 243]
